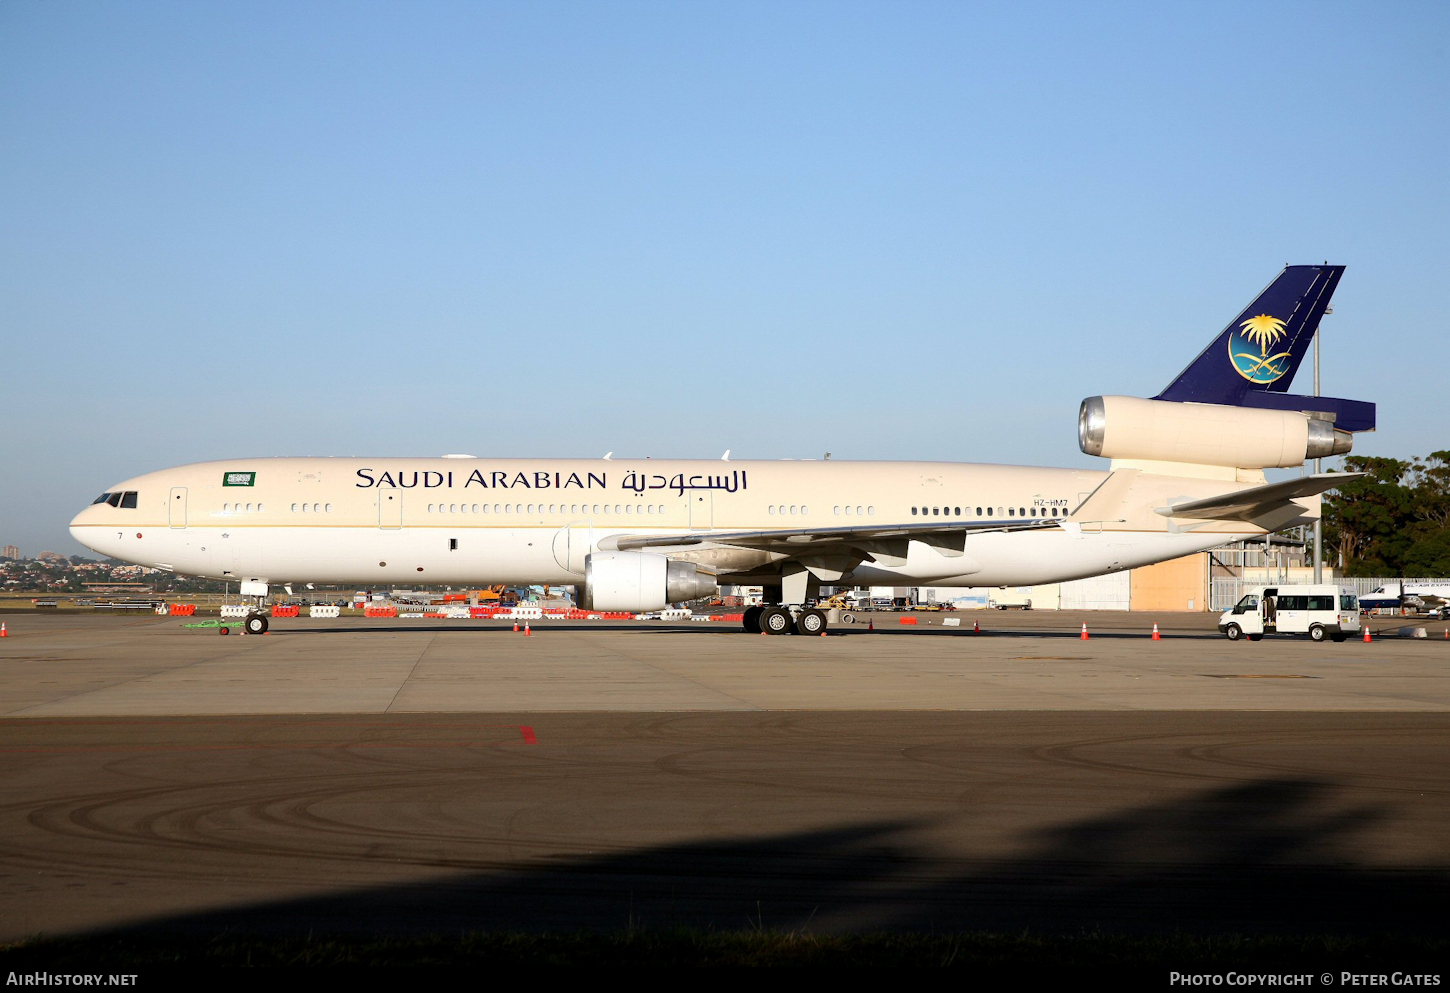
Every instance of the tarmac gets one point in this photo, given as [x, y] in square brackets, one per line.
[392, 776]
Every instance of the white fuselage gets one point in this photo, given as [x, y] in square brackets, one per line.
[475, 521]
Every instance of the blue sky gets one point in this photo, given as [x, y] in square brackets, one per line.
[884, 230]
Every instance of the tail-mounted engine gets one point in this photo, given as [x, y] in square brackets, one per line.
[1119, 427]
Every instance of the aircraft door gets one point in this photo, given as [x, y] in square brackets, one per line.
[390, 509]
[176, 507]
[702, 510]
[561, 547]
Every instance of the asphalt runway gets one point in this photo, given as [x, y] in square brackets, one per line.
[1178, 800]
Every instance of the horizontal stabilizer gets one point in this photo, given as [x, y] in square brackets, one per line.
[1256, 501]
[1346, 415]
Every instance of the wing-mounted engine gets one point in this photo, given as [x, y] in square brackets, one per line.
[640, 581]
[1119, 427]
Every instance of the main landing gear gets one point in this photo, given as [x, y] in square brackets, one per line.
[784, 620]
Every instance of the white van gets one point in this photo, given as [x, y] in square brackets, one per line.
[1318, 611]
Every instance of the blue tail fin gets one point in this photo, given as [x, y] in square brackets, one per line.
[1252, 361]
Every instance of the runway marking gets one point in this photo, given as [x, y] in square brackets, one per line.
[1212, 675]
[1049, 658]
[526, 733]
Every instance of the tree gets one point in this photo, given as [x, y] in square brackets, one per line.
[1394, 520]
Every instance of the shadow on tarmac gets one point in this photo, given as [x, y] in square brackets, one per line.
[1275, 856]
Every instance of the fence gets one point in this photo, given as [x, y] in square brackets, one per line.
[1224, 593]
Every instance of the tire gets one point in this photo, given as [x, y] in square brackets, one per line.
[255, 624]
[1256, 637]
[1317, 632]
[1336, 638]
[848, 618]
[811, 622]
[225, 630]
[751, 620]
[1233, 632]
[776, 620]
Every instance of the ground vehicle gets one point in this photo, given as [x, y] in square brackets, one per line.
[1004, 598]
[1319, 611]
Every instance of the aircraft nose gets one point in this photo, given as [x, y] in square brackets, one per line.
[81, 532]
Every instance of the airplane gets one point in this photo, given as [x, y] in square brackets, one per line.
[1186, 474]
[1431, 598]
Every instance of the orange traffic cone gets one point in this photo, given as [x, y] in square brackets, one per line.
[527, 632]
[1367, 638]
[1447, 633]
[3, 632]
[516, 627]
[1155, 633]
[871, 624]
[976, 628]
[1084, 635]
[823, 634]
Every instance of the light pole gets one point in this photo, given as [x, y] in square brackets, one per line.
[1319, 521]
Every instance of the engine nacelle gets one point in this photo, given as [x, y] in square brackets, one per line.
[1204, 433]
[640, 581]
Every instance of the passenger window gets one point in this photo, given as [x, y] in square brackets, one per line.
[956, 511]
[936, 511]
[770, 510]
[294, 508]
[327, 507]
[1321, 603]
[870, 511]
[128, 500]
[913, 511]
[979, 511]
[1010, 512]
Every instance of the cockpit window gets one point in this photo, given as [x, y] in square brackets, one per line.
[103, 498]
[128, 500]
[114, 499]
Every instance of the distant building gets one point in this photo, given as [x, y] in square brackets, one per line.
[10, 552]
[53, 557]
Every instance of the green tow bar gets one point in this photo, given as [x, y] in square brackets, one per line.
[204, 624]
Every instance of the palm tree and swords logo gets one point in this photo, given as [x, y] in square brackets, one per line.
[1265, 365]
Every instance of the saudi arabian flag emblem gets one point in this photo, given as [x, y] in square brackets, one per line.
[239, 479]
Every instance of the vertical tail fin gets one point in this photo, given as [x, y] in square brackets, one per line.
[1261, 349]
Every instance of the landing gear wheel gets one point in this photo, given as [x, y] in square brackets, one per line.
[811, 622]
[255, 624]
[751, 620]
[1233, 632]
[776, 620]
[1317, 632]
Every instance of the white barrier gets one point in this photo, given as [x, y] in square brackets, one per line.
[700, 617]
[324, 610]
[412, 613]
[951, 622]
[235, 610]
[675, 614]
[527, 613]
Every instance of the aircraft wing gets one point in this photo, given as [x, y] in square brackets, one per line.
[1256, 501]
[944, 534]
